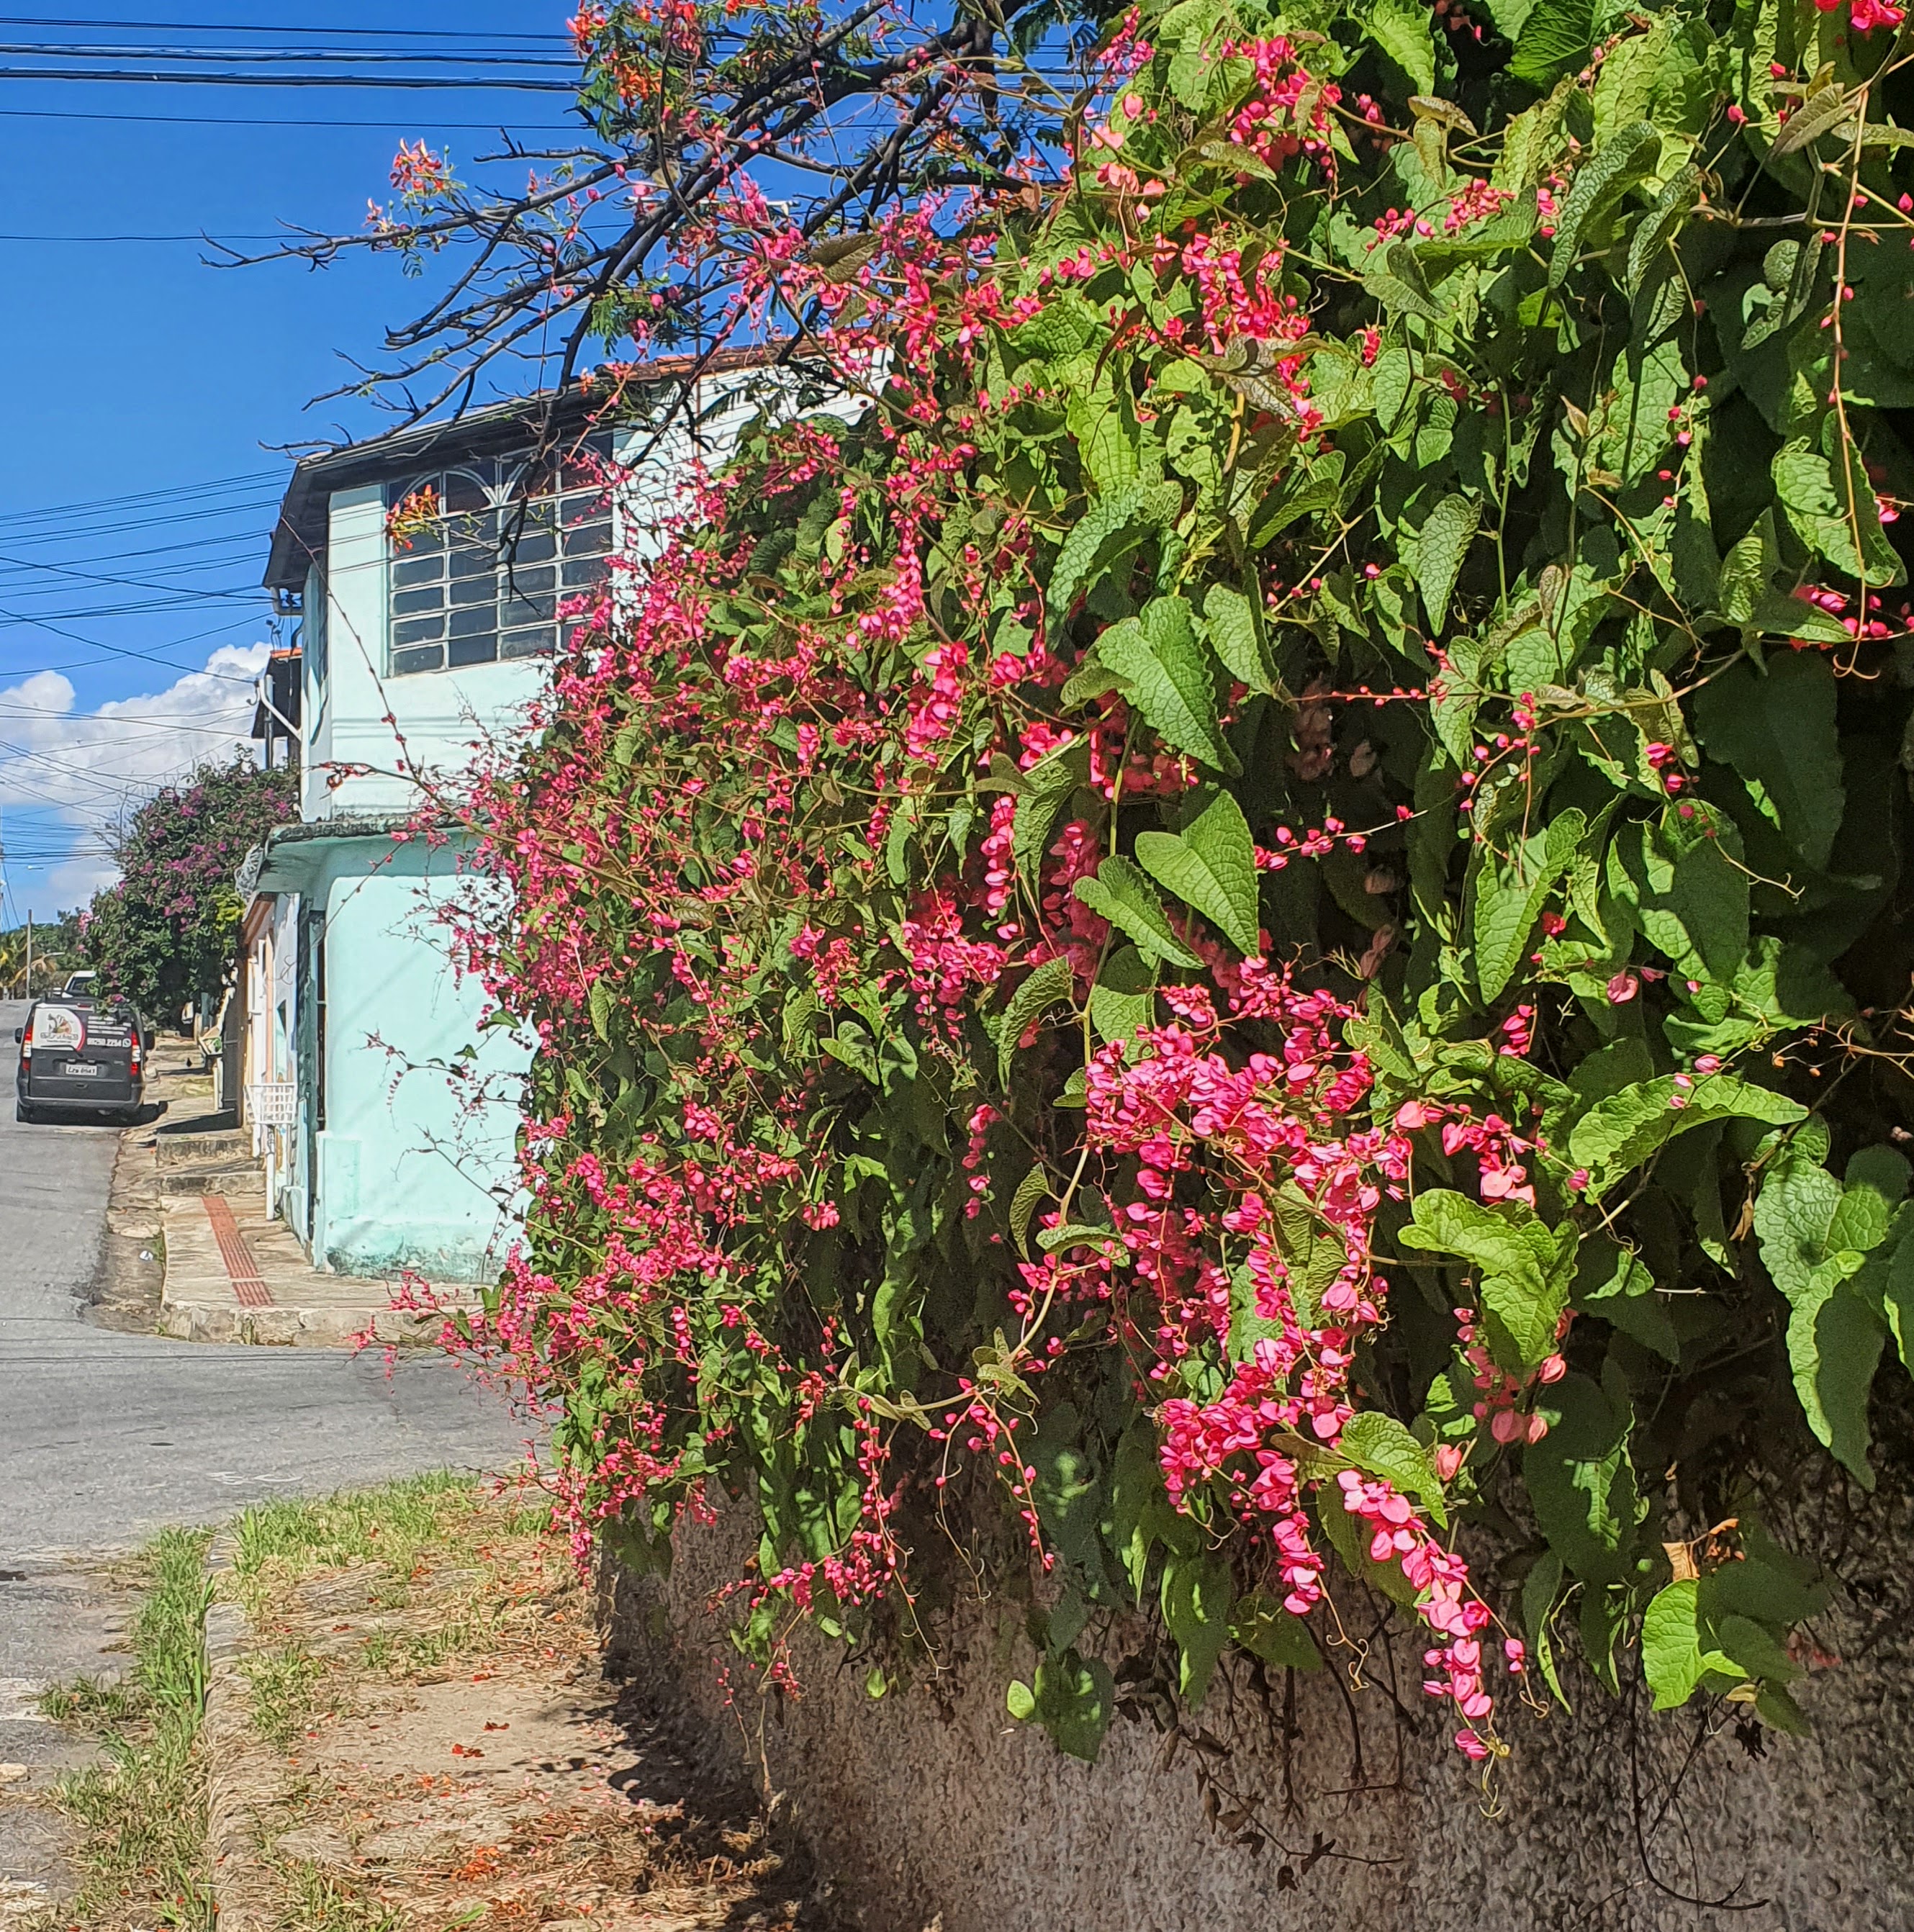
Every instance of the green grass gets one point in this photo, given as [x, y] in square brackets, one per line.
[392, 1526]
[315, 1901]
[92, 1703]
[141, 1809]
[282, 1681]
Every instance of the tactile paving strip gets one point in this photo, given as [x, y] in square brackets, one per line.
[249, 1287]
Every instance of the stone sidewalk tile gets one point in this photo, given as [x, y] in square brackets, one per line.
[231, 1275]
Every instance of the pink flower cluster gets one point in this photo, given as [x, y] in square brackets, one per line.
[1445, 1601]
[1499, 1394]
[1300, 1184]
[1476, 202]
[1500, 1151]
[1865, 16]
[1289, 110]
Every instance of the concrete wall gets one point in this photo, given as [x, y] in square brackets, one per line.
[416, 1163]
[957, 1818]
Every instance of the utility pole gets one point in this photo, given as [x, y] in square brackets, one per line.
[29, 955]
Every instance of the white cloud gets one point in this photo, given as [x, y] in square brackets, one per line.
[67, 776]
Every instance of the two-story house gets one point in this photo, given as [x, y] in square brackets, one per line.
[428, 570]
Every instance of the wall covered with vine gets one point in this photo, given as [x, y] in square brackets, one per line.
[1240, 936]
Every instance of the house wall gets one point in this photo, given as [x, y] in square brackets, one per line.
[414, 1167]
[416, 1158]
[316, 695]
[429, 725]
[403, 730]
[275, 967]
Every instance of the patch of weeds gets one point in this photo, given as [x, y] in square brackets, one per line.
[314, 1900]
[426, 1650]
[282, 1681]
[169, 1636]
[392, 1526]
[92, 1703]
[378, 1650]
[141, 1809]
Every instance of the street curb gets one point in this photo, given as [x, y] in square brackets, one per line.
[203, 1309]
[123, 1293]
[278, 1327]
[225, 1735]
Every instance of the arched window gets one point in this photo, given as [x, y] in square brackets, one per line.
[483, 555]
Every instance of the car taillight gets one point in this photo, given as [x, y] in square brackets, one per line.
[26, 1045]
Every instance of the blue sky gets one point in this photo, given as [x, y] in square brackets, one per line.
[137, 373]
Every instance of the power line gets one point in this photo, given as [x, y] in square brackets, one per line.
[126, 583]
[39, 618]
[231, 27]
[96, 241]
[10, 775]
[206, 537]
[154, 721]
[340, 56]
[249, 477]
[215, 551]
[235, 120]
[122, 651]
[199, 533]
[184, 600]
[41, 526]
[179, 644]
[90, 533]
[118, 788]
[412, 83]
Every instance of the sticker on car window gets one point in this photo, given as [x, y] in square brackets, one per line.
[58, 1029]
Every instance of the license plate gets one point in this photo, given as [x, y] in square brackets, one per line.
[78, 1069]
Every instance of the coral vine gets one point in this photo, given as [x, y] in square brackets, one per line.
[1163, 905]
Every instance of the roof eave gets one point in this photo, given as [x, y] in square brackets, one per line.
[298, 537]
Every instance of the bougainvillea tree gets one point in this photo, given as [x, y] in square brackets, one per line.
[1243, 923]
[167, 932]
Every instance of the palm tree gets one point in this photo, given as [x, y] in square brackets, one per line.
[51, 963]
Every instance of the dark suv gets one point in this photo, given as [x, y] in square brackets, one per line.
[81, 1056]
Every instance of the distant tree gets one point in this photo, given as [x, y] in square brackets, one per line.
[57, 949]
[167, 932]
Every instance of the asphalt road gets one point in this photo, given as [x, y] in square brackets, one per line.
[106, 1438]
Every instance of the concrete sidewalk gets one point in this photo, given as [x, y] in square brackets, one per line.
[233, 1276]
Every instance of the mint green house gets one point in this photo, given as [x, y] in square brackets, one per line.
[426, 570]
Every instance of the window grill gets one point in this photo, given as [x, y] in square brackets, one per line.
[479, 576]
